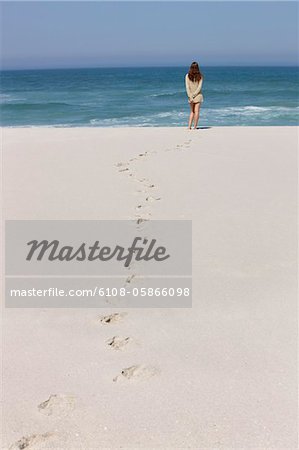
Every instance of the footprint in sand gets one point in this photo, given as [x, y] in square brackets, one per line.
[31, 441]
[141, 220]
[119, 343]
[137, 373]
[142, 155]
[112, 318]
[152, 199]
[143, 210]
[146, 187]
[145, 213]
[58, 405]
[130, 278]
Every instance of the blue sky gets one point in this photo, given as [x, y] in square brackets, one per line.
[96, 34]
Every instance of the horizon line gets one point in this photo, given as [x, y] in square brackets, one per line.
[144, 67]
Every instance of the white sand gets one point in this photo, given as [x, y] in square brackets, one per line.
[221, 375]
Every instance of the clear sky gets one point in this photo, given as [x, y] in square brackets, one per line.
[96, 34]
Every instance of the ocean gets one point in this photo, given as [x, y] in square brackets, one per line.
[148, 97]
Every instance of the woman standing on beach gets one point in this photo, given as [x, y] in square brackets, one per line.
[193, 83]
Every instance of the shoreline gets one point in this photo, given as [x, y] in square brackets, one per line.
[201, 127]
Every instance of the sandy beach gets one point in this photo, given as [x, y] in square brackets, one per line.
[222, 374]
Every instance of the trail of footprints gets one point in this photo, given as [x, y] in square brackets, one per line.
[61, 405]
[142, 215]
[58, 405]
[146, 186]
[134, 372]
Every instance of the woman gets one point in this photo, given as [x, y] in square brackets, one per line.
[193, 83]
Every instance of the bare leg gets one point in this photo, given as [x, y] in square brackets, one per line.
[196, 114]
[191, 115]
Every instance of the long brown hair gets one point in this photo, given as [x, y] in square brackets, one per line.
[194, 73]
